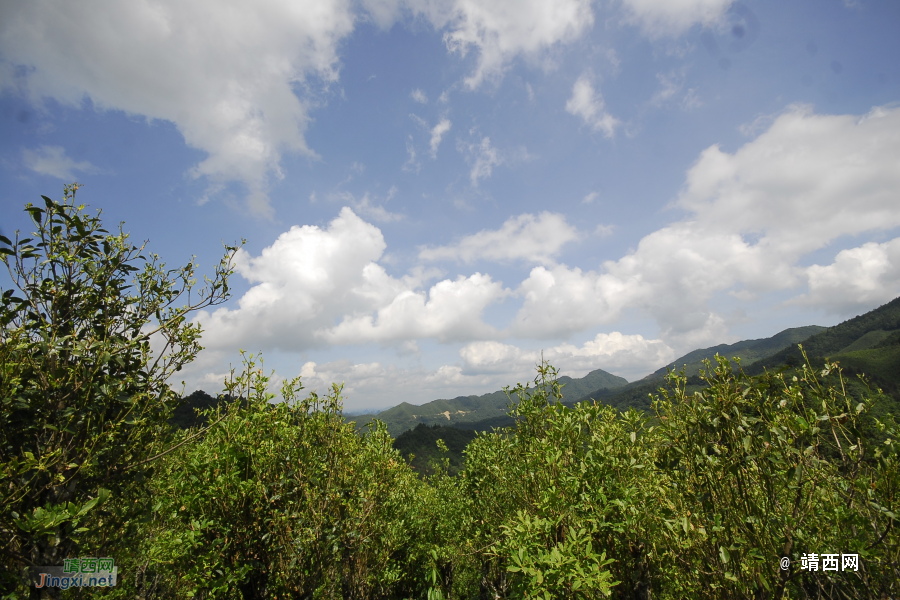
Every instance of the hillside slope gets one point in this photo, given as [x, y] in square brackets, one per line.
[861, 340]
[469, 409]
[636, 393]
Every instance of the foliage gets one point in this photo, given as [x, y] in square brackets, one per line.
[701, 498]
[420, 446]
[284, 500]
[763, 468]
[833, 340]
[84, 400]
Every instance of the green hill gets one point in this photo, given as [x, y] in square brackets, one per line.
[464, 410]
[636, 393]
[749, 351]
[864, 343]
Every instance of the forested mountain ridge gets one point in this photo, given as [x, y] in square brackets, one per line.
[636, 393]
[465, 410]
[749, 351]
[878, 328]
[868, 344]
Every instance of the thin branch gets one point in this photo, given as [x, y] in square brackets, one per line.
[178, 445]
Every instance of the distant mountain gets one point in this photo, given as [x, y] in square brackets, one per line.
[749, 351]
[463, 410]
[636, 394]
[867, 343]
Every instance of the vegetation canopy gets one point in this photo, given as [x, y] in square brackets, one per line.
[720, 490]
[84, 398]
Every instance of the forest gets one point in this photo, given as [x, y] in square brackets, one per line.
[731, 483]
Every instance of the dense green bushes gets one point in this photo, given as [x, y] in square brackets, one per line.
[699, 498]
[702, 500]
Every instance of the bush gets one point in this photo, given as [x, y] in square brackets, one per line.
[83, 401]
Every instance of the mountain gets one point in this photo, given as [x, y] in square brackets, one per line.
[749, 351]
[464, 410]
[636, 394]
[867, 343]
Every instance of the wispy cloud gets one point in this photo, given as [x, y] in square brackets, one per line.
[52, 161]
[536, 239]
[437, 133]
[587, 103]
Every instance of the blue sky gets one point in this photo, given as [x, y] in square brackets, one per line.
[434, 192]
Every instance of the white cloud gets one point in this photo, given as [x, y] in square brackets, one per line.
[588, 104]
[411, 163]
[419, 96]
[450, 311]
[437, 132]
[499, 31]
[804, 182]
[376, 385]
[604, 230]
[487, 367]
[504, 29]
[669, 84]
[525, 237]
[751, 216]
[671, 18]
[589, 198]
[224, 74]
[691, 100]
[52, 161]
[629, 356]
[613, 57]
[858, 279]
[316, 287]
[368, 206]
[483, 157]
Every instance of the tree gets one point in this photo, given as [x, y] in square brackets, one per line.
[84, 398]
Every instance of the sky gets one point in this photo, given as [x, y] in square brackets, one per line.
[437, 193]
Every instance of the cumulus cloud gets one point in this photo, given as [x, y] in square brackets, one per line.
[665, 18]
[751, 216]
[419, 96]
[858, 279]
[225, 75]
[525, 237]
[52, 161]
[504, 29]
[629, 356]
[587, 103]
[450, 311]
[486, 366]
[319, 286]
[376, 385]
